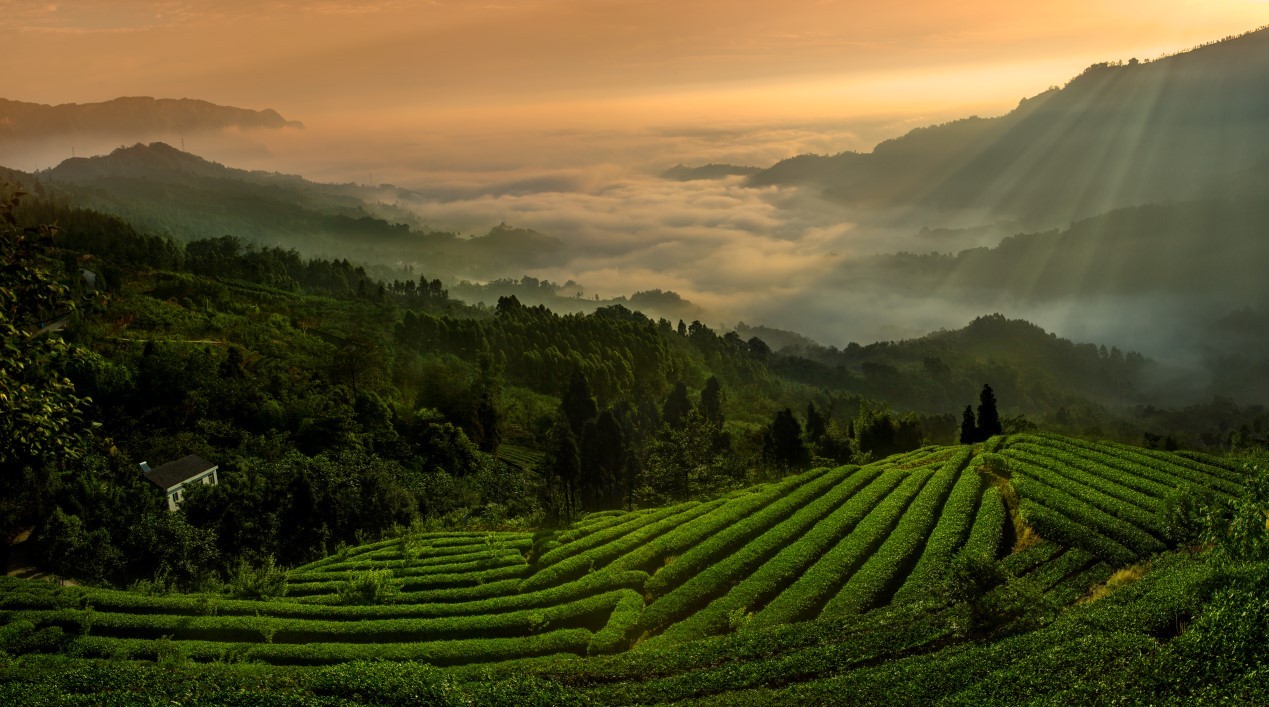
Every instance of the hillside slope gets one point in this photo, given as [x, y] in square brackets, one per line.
[825, 545]
[1184, 126]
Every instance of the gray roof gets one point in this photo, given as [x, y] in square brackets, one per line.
[179, 471]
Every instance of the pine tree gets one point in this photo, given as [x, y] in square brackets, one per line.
[782, 445]
[988, 418]
[969, 427]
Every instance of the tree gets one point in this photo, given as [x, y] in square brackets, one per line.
[758, 348]
[677, 406]
[711, 406]
[680, 464]
[988, 419]
[816, 425]
[42, 423]
[969, 426]
[563, 465]
[604, 461]
[578, 403]
[782, 444]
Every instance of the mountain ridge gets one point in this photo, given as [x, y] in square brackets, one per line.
[1117, 134]
[131, 115]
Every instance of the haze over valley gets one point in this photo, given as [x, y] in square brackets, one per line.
[1083, 208]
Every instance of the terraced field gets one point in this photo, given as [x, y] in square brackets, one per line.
[830, 544]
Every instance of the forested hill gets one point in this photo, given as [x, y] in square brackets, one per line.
[136, 115]
[1122, 133]
[159, 188]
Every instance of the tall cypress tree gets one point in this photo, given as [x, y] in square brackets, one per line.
[988, 417]
[969, 427]
[782, 445]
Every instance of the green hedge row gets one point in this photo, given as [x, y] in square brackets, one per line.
[1114, 471]
[907, 459]
[1051, 573]
[806, 597]
[593, 522]
[1059, 528]
[996, 443]
[591, 613]
[574, 566]
[837, 650]
[1131, 513]
[622, 624]
[1126, 458]
[1056, 463]
[1072, 588]
[436, 581]
[445, 653]
[727, 612]
[429, 560]
[885, 570]
[949, 535]
[475, 592]
[489, 562]
[607, 535]
[700, 557]
[682, 539]
[1233, 477]
[1080, 511]
[1024, 561]
[1234, 470]
[183, 605]
[717, 577]
[423, 540]
[987, 534]
[348, 552]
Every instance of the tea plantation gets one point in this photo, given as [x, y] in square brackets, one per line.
[1030, 568]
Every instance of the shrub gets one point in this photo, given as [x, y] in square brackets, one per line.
[369, 587]
[261, 583]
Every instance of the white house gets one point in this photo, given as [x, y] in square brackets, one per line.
[173, 477]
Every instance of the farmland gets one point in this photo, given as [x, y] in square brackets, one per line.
[791, 590]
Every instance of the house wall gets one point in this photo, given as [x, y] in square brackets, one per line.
[176, 494]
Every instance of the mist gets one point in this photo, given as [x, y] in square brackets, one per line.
[783, 256]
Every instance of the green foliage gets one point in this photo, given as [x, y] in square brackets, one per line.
[1239, 528]
[42, 422]
[263, 582]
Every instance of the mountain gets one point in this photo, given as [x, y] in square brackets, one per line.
[683, 173]
[1186, 126]
[159, 188]
[136, 116]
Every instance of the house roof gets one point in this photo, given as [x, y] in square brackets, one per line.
[179, 471]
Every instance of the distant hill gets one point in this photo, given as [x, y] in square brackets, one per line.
[1201, 249]
[138, 116]
[1186, 126]
[683, 173]
[160, 188]
[943, 370]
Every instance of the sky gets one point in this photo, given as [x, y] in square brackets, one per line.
[557, 114]
[449, 64]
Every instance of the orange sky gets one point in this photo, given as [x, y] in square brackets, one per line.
[588, 62]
